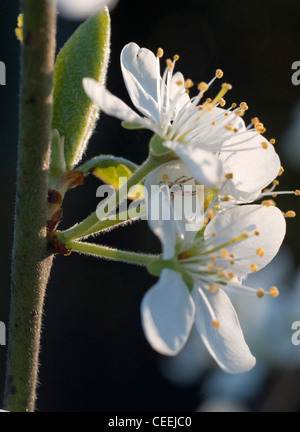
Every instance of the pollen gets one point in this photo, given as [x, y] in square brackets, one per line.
[244, 106]
[229, 176]
[213, 288]
[290, 214]
[213, 123]
[255, 120]
[260, 252]
[264, 145]
[224, 253]
[169, 64]
[297, 192]
[203, 86]
[176, 57]
[234, 105]
[216, 324]
[226, 86]
[219, 73]
[281, 171]
[222, 102]
[268, 203]
[276, 182]
[253, 267]
[256, 232]
[260, 293]
[227, 198]
[188, 83]
[239, 112]
[166, 178]
[274, 291]
[273, 141]
[160, 53]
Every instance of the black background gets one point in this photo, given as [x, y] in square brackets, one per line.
[94, 356]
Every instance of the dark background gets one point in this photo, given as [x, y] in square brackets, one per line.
[94, 356]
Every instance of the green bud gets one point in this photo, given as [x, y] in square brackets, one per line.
[85, 54]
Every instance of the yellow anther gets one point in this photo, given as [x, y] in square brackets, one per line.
[281, 171]
[208, 106]
[227, 198]
[210, 267]
[232, 255]
[203, 86]
[222, 102]
[226, 114]
[229, 127]
[276, 182]
[224, 253]
[255, 120]
[213, 123]
[256, 232]
[200, 107]
[232, 262]
[264, 145]
[230, 276]
[179, 83]
[274, 291]
[229, 176]
[268, 203]
[265, 190]
[274, 195]
[216, 324]
[272, 141]
[214, 234]
[169, 63]
[188, 83]
[234, 105]
[213, 288]
[210, 214]
[239, 112]
[260, 252]
[214, 257]
[160, 53]
[226, 86]
[208, 100]
[260, 293]
[235, 130]
[176, 57]
[297, 192]
[165, 178]
[221, 272]
[290, 214]
[244, 106]
[219, 73]
[253, 267]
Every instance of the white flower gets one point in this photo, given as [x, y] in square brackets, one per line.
[196, 270]
[81, 9]
[200, 134]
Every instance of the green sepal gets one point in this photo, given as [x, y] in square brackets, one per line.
[156, 146]
[85, 54]
[156, 267]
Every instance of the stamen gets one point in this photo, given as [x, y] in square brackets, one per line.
[229, 176]
[166, 178]
[244, 106]
[222, 102]
[203, 86]
[268, 203]
[281, 171]
[272, 141]
[260, 293]
[260, 252]
[274, 291]
[213, 288]
[188, 83]
[216, 324]
[160, 53]
[219, 73]
[176, 57]
[256, 232]
[224, 253]
[290, 214]
[297, 192]
[169, 64]
[264, 145]
[253, 267]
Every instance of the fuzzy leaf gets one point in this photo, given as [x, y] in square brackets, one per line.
[85, 54]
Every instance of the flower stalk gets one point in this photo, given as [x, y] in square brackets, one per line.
[31, 262]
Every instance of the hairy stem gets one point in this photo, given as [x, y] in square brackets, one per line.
[110, 253]
[31, 263]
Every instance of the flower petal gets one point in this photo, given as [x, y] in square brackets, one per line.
[140, 73]
[253, 166]
[111, 104]
[267, 222]
[226, 344]
[167, 312]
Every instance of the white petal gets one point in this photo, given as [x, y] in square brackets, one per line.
[167, 312]
[253, 166]
[79, 9]
[111, 104]
[139, 68]
[206, 168]
[268, 221]
[226, 344]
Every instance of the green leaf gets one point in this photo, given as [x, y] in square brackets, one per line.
[85, 54]
[116, 176]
